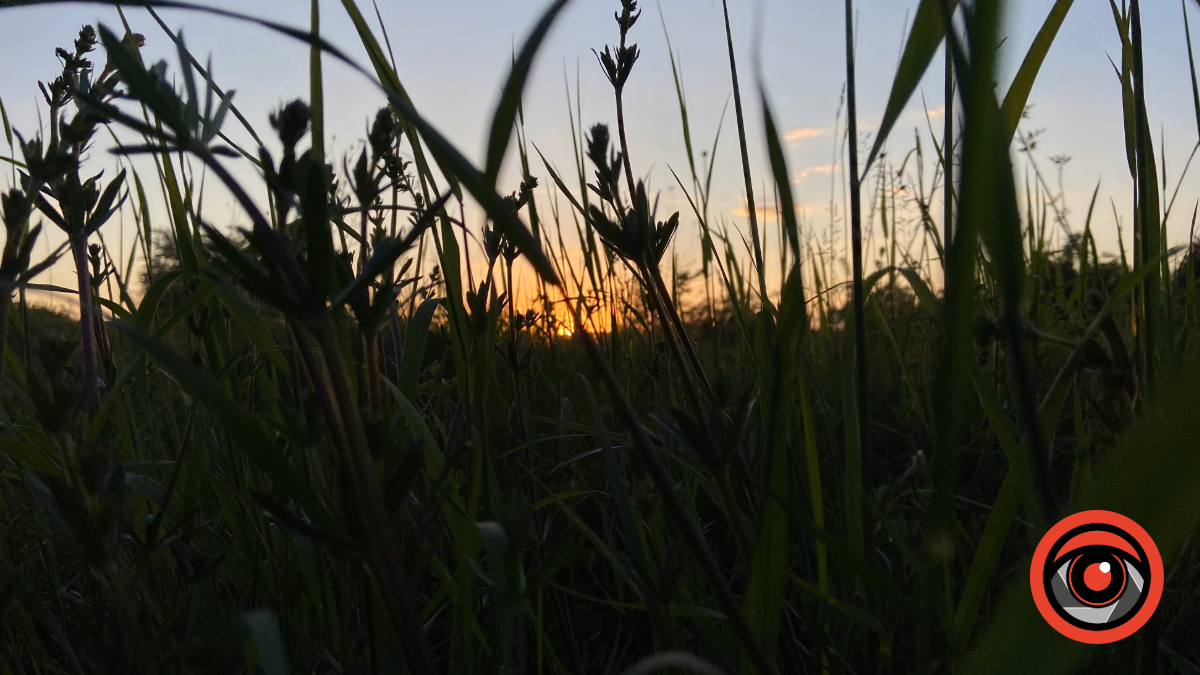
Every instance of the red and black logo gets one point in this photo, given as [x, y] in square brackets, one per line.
[1096, 577]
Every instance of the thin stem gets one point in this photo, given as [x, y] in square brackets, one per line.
[88, 344]
[689, 384]
[618, 90]
[689, 347]
[948, 152]
[363, 245]
[5, 305]
[728, 501]
[737, 108]
[384, 550]
[371, 363]
[860, 343]
[518, 387]
[624, 144]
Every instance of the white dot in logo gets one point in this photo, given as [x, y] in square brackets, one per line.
[1104, 567]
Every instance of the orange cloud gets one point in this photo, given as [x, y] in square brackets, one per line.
[821, 168]
[764, 214]
[802, 133]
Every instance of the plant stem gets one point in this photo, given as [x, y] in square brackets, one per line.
[948, 156]
[5, 305]
[384, 550]
[689, 384]
[693, 356]
[371, 364]
[728, 500]
[860, 325]
[618, 90]
[737, 108]
[88, 345]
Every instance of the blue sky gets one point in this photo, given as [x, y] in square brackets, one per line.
[453, 56]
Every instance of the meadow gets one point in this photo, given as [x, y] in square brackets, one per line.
[324, 443]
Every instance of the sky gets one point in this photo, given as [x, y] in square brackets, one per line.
[453, 55]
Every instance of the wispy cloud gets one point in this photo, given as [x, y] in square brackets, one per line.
[939, 111]
[802, 133]
[768, 215]
[821, 168]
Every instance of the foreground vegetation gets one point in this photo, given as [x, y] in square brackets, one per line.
[322, 444]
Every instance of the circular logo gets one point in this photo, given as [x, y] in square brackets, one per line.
[1096, 577]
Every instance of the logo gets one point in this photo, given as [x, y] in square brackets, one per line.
[1096, 577]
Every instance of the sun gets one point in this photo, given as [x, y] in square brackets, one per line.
[563, 331]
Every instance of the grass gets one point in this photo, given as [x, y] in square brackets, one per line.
[325, 444]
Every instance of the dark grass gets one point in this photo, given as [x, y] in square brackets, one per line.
[304, 449]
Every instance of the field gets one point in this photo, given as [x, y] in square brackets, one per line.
[324, 443]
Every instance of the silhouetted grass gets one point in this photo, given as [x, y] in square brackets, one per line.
[325, 444]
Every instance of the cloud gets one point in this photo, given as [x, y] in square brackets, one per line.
[939, 111]
[822, 168]
[769, 215]
[802, 133]
[763, 214]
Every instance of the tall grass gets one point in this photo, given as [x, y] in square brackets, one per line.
[327, 443]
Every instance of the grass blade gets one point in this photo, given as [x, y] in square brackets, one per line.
[1187, 31]
[750, 207]
[1018, 92]
[927, 32]
[414, 346]
[510, 96]
[630, 530]
[858, 440]
[316, 88]
[256, 445]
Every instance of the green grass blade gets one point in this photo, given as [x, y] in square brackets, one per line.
[510, 96]
[184, 242]
[995, 534]
[982, 168]
[1187, 32]
[28, 453]
[252, 324]
[1149, 224]
[783, 182]
[683, 111]
[414, 346]
[387, 75]
[857, 437]
[8, 135]
[629, 527]
[1020, 463]
[259, 449]
[927, 32]
[1022, 84]
[750, 206]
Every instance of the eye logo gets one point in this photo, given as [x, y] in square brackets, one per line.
[1096, 577]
